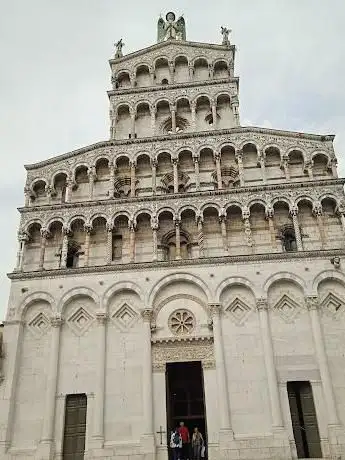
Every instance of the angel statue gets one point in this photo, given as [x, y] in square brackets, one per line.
[171, 29]
[119, 45]
[225, 32]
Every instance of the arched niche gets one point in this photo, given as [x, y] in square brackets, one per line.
[225, 117]
[183, 115]
[53, 252]
[272, 165]
[123, 122]
[143, 78]
[221, 70]
[212, 232]
[260, 229]
[166, 249]
[98, 242]
[101, 185]
[181, 70]
[143, 238]
[204, 118]
[296, 164]
[163, 117]
[32, 250]
[120, 240]
[162, 72]
[123, 80]
[320, 166]
[59, 187]
[201, 71]
[143, 120]
[332, 224]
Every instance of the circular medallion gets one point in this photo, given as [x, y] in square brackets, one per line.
[181, 322]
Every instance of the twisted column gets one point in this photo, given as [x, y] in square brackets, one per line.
[153, 111]
[197, 172]
[109, 256]
[132, 166]
[175, 174]
[318, 213]
[48, 424]
[247, 229]
[147, 386]
[154, 227]
[199, 223]
[177, 239]
[132, 115]
[222, 221]
[69, 187]
[92, 175]
[191, 71]
[111, 181]
[321, 355]
[333, 165]
[261, 162]
[218, 171]
[23, 238]
[98, 414]
[273, 390]
[222, 386]
[293, 214]
[152, 75]
[64, 248]
[214, 113]
[193, 114]
[87, 230]
[211, 70]
[44, 235]
[284, 164]
[132, 227]
[154, 164]
[269, 212]
[239, 159]
[171, 71]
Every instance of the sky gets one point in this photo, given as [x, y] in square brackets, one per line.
[55, 73]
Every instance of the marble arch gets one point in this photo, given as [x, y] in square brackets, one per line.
[117, 287]
[327, 274]
[77, 292]
[35, 297]
[168, 279]
[283, 276]
[165, 301]
[236, 281]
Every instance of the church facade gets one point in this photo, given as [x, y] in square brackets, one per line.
[187, 269]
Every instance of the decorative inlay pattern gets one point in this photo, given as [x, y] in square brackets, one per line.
[287, 308]
[39, 325]
[80, 321]
[125, 317]
[333, 305]
[181, 322]
[238, 311]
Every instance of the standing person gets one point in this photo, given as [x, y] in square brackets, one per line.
[176, 444]
[197, 443]
[184, 433]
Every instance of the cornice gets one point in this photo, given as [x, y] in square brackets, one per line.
[230, 260]
[179, 339]
[152, 89]
[202, 194]
[204, 134]
[156, 46]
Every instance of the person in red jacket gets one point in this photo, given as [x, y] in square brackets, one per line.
[184, 433]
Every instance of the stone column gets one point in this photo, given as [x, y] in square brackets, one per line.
[193, 114]
[153, 111]
[318, 213]
[64, 248]
[191, 71]
[341, 213]
[218, 171]
[131, 226]
[133, 179]
[269, 211]
[154, 226]
[261, 162]
[239, 159]
[235, 111]
[284, 164]
[132, 115]
[27, 192]
[211, 70]
[98, 412]
[309, 168]
[111, 181]
[222, 386]
[222, 221]
[175, 174]
[23, 238]
[154, 164]
[273, 390]
[321, 355]
[87, 230]
[47, 435]
[178, 238]
[109, 227]
[214, 113]
[247, 229]
[152, 75]
[147, 385]
[171, 71]
[173, 117]
[293, 214]
[333, 166]
[133, 79]
[44, 235]
[199, 223]
[92, 175]
[48, 190]
[69, 187]
[196, 172]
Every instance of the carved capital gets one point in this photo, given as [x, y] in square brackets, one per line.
[45, 233]
[317, 209]
[239, 155]
[154, 222]
[293, 211]
[87, 228]
[245, 213]
[56, 321]
[132, 225]
[174, 161]
[109, 226]
[154, 162]
[269, 212]
[146, 314]
[101, 317]
[23, 236]
[312, 302]
[215, 309]
[261, 304]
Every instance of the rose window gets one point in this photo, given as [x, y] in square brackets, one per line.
[182, 322]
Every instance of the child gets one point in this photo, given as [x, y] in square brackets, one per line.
[176, 444]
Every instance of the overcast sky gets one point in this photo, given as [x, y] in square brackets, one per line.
[55, 73]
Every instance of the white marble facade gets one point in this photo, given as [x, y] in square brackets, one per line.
[181, 210]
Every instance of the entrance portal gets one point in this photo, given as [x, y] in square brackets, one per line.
[185, 397]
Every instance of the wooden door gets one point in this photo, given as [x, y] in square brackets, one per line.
[75, 427]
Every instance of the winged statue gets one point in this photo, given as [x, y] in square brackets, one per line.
[171, 29]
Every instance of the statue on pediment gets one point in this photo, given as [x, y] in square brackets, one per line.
[171, 29]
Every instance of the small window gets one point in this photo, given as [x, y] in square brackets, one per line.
[289, 240]
[165, 81]
[117, 247]
[72, 255]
